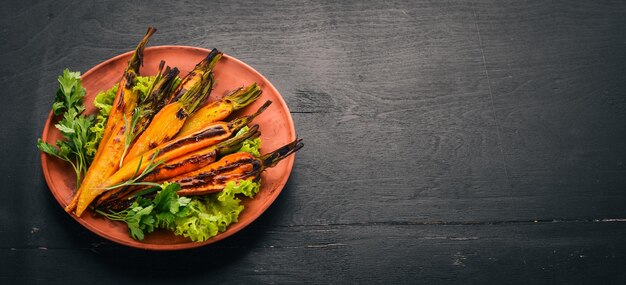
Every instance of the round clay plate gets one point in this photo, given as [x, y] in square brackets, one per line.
[275, 123]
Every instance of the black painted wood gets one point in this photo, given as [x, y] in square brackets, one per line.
[446, 141]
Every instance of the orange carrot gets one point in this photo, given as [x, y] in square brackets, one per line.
[104, 167]
[195, 76]
[233, 167]
[168, 121]
[120, 104]
[220, 109]
[186, 163]
[158, 93]
[213, 134]
[200, 158]
[112, 140]
[156, 97]
[213, 177]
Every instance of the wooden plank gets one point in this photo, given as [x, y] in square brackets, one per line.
[535, 253]
[555, 79]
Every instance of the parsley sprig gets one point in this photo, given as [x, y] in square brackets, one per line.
[145, 215]
[74, 126]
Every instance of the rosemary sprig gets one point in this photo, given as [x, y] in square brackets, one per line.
[136, 178]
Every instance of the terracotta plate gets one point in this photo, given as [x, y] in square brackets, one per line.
[276, 127]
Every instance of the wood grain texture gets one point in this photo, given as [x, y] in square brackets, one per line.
[477, 254]
[446, 141]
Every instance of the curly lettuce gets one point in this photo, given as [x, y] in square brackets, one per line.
[103, 102]
[195, 218]
[205, 218]
[142, 85]
[251, 146]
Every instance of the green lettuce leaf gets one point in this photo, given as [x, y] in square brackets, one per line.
[142, 85]
[205, 218]
[251, 146]
[103, 102]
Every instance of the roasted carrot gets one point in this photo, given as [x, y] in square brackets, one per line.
[195, 76]
[119, 203]
[186, 163]
[157, 96]
[220, 109]
[121, 101]
[213, 134]
[232, 167]
[211, 178]
[111, 143]
[184, 100]
[200, 158]
[159, 93]
[168, 121]
[147, 107]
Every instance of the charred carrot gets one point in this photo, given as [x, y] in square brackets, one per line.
[212, 178]
[220, 109]
[213, 134]
[121, 200]
[157, 96]
[168, 121]
[232, 167]
[112, 140]
[154, 100]
[186, 163]
[121, 101]
[195, 76]
[200, 158]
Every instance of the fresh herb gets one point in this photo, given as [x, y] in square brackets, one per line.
[82, 132]
[135, 180]
[74, 126]
[70, 94]
[195, 218]
[144, 215]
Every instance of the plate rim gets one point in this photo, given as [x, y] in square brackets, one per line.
[220, 236]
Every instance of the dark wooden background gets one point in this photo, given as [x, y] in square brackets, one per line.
[446, 141]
